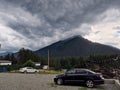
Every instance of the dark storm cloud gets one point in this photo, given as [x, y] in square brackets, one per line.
[63, 15]
[49, 20]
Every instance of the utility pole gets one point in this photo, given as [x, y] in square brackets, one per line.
[0, 45]
[48, 61]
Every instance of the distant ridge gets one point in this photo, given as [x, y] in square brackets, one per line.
[5, 53]
[76, 46]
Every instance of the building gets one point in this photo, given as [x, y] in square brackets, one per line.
[45, 67]
[5, 62]
[38, 64]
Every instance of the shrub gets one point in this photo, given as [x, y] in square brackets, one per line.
[29, 63]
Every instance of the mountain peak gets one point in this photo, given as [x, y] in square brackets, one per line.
[72, 39]
[76, 37]
[76, 46]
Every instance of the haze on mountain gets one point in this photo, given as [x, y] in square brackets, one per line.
[76, 46]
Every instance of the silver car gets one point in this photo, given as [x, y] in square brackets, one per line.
[28, 70]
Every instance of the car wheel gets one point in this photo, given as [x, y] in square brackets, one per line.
[59, 81]
[89, 83]
[25, 71]
[35, 71]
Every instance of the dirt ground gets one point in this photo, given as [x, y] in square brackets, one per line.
[18, 81]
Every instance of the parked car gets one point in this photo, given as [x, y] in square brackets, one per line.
[83, 76]
[28, 70]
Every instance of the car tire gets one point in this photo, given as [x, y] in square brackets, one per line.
[36, 72]
[25, 71]
[90, 83]
[59, 81]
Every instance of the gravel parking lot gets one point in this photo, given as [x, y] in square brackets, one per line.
[17, 81]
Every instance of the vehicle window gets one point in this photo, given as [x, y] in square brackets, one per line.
[81, 72]
[90, 72]
[29, 68]
[71, 72]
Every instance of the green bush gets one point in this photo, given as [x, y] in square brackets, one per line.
[29, 63]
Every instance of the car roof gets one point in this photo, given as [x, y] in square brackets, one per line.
[80, 69]
[84, 69]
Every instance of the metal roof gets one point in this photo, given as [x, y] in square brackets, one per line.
[5, 61]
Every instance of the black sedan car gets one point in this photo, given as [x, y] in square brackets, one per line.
[83, 76]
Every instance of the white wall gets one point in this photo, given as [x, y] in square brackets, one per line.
[45, 67]
[37, 64]
[5, 63]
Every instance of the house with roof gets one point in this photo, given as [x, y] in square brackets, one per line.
[5, 62]
[37, 65]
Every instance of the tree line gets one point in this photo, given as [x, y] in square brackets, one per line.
[91, 61]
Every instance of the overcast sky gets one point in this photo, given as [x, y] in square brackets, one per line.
[33, 24]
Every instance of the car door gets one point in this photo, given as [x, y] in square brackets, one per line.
[30, 69]
[81, 75]
[70, 76]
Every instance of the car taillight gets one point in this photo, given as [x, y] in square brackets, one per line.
[101, 76]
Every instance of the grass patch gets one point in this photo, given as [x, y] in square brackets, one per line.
[82, 88]
[40, 72]
[14, 71]
[49, 72]
[101, 89]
